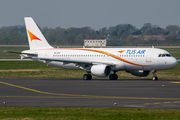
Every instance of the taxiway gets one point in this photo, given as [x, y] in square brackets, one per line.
[50, 92]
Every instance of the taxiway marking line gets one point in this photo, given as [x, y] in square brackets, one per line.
[88, 96]
[167, 102]
[156, 103]
[175, 82]
[176, 101]
[38, 90]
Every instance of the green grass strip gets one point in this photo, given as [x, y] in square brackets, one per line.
[83, 113]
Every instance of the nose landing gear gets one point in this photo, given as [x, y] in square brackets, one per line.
[154, 75]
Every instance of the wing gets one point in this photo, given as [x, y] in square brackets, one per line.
[79, 63]
[67, 61]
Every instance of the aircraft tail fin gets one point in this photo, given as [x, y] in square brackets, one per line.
[35, 37]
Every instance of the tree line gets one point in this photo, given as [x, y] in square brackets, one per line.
[16, 35]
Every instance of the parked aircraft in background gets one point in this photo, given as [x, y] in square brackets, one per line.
[96, 61]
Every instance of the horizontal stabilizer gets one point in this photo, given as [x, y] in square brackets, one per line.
[21, 53]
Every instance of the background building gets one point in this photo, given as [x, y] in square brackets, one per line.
[102, 42]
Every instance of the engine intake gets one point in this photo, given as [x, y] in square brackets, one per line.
[101, 70]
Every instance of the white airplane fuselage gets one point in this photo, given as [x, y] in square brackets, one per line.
[128, 59]
[96, 61]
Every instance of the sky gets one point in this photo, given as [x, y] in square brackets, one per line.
[93, 13]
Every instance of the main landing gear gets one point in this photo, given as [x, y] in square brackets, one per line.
[154, 75]
[87, 76]
[113, 76]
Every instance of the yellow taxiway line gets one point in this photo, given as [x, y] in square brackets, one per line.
[59, 95]
[175, 82]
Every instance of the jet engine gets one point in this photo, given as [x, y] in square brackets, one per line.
[101, 70]
[140, 73]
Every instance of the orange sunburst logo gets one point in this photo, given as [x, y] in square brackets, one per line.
[32, 36]
[121, 51]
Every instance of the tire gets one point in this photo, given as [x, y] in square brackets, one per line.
[89, 76]
[155, 78]
[113, 77]
[85, 76]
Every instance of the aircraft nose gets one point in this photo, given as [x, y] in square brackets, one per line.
[175, 62]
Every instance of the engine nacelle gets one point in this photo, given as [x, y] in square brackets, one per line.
[140, 73]
[101, 70]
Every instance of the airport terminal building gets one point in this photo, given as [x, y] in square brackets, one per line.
[102, 42]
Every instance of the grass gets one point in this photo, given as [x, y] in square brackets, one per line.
[33, 69]
[80, 113]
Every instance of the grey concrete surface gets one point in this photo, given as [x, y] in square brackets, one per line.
[92, 93]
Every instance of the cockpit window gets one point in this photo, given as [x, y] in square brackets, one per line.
[168, 55]
[164, 55]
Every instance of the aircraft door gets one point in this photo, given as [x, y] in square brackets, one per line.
[148, 56]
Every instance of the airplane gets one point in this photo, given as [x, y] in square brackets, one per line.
[101, 62]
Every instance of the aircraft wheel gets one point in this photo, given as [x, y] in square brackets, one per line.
[87, 77]
[155, 78]
[113, 76]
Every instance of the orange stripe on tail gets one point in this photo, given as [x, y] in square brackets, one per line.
[32, 36]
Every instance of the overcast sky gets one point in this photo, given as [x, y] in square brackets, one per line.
[93, 13]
